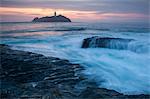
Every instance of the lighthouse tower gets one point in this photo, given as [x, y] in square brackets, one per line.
[55, 13]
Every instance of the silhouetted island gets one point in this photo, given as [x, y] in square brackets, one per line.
[55, 18]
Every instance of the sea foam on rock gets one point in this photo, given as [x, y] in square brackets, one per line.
[26, 75]
[106, 42]
[116, 43]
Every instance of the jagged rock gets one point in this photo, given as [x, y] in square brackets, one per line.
[29, 75]
[22, 69]
[106, 42]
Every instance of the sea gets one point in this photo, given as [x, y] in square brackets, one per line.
[124, 70]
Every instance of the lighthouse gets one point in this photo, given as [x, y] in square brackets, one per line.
[55, 13]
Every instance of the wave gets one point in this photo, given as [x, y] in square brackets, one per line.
[121, 65]
[71, 29]
[142, 30]
[43, 30]
[115, 43]
[24, 31]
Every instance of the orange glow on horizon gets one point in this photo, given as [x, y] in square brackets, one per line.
[39, 12]
[73, 14]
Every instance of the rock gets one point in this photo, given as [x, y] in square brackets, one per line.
[21, 70]
[106, 42]
[30, 75]
[96, 93]
[58, 18]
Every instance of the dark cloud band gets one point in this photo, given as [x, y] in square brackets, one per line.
[111, 6]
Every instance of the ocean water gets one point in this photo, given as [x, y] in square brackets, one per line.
[126, 71]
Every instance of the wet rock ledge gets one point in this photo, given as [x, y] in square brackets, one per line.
[106, 42]
[26, 75]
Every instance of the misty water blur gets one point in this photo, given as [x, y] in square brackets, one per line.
[126, 71]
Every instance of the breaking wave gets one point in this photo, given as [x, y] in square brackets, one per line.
[116, 43]
[121, 63]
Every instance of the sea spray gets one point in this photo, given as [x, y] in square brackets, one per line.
[126, 71]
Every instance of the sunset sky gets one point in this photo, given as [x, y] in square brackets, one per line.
[76, 10]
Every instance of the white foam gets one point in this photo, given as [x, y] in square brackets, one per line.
[125, 71]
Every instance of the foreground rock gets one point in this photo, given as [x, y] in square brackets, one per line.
[28, 75]
[106, 42]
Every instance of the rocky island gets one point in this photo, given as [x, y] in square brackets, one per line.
[55, 18]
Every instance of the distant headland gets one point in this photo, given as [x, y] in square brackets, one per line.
[55, 18]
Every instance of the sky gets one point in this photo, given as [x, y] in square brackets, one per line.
[76, 10]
